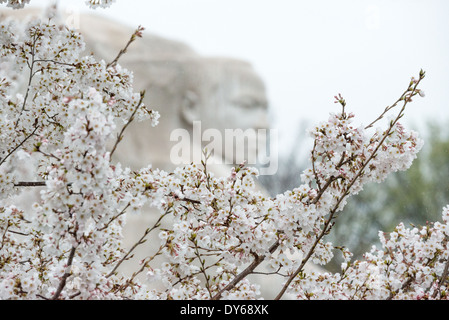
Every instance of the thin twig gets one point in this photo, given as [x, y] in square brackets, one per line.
[131, 118]
[115, 217]
[137, 33]
[19, 145]
[402, 97]
[135, 274]
[65, 276]
[249, 270]
[203, 267]
[138, 243]
[30, 78]
[30, 184]
[35, 184]
[442, 279]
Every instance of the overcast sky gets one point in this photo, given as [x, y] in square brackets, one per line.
[308, 51]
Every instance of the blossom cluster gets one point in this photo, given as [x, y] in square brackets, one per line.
[62, 115]
[19, 4]
[412, 264]
[99, 3]
[15, 4]
[56, 125]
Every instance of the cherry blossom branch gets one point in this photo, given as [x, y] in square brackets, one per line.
[30, 184]
[137, 33]
[66, 274]
[19, 145]
[247, 271]
[131, 118]
[203, 268]
[442, 279]
[406, 96]
[36, 36]
[138, 243]
[327, 225]
[259, 259]
[317, 179]
[115, 217]
[145, 264]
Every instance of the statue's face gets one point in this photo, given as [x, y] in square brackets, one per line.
[237, 102]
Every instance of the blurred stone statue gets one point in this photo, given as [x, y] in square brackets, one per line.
[217, 94]
[206, 98]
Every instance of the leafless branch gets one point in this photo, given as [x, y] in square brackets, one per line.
[19, 145]
[131, 118]
[137, 33]
[67, 273]
[138, 243]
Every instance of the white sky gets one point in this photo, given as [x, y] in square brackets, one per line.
[308, 51]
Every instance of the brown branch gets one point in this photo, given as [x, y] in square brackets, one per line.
[313, 166]
[36, 36]
[19, 145]
[65, 276]
[137, 33]
[442, 278]
[405, 285]
[257, 261]
[130, 280]
[131, 118]
[203, 267]
[115, 217]
[325, 229]
[34, 184]
[402, 97]
[138, 243]
[30, 184]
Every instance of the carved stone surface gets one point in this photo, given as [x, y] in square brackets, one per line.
[184, 87]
